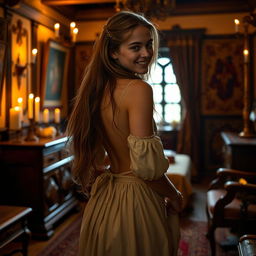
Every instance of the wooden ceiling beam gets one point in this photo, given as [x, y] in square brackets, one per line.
[75, 2]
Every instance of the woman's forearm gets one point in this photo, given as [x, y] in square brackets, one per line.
[165, 188]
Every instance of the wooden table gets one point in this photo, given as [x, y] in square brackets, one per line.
[239, 153]
[13, 224]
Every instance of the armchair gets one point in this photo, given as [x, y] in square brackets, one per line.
[231, 203]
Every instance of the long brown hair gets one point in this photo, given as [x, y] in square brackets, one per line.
[85, 128]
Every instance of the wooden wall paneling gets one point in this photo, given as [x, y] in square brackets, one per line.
[213, 144]
[8, 16]
[82, 58]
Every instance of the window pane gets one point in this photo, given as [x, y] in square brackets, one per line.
[172, 112]
[156, 74]
[158, 113]
[163, 61]
[172, 93]
[157, 93]
[169, 76]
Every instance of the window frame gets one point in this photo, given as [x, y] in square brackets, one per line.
[164, 53]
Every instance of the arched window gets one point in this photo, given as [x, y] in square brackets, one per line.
[167, 98]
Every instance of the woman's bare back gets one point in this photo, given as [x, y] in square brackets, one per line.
[117, 127]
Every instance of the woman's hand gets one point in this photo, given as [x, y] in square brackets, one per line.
[174, 206]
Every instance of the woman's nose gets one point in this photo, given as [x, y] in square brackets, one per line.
[145, 52]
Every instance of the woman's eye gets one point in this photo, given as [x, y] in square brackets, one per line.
[135, 48]
[149, 46]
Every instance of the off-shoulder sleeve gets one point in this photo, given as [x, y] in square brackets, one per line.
[147, 157]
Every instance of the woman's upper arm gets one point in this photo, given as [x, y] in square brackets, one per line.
[140, 109]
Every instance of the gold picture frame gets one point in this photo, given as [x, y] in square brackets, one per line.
[55, 74]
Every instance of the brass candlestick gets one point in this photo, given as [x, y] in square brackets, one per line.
[247, 131]
[31, 136]
[58, 130]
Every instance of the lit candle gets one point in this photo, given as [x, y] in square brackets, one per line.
[34, 53]
[57, 29]
[72, 26]
[46, 116]
[15, 118]
[246, 55]
[37, 109]
[20, 104]
[237, 22]
[30, 105]
[57, 115]
[75, 32]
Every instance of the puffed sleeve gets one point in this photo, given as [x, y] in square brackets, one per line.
[147, 157]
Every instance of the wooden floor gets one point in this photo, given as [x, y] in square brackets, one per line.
[196, 212]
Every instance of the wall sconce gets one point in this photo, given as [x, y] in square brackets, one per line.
[19, 69]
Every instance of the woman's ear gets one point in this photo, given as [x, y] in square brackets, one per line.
[114, 55]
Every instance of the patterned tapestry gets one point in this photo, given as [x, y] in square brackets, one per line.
[222, 77]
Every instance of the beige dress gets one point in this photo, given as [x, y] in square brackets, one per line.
[124, 216]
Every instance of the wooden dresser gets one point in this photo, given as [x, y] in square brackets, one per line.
[37, 175]
[239, 153]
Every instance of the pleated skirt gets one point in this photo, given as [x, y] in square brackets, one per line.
[124, 217]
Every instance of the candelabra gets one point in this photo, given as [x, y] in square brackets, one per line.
[31, 136]
[247, 128]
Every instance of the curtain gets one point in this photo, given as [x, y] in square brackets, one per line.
[185, 54]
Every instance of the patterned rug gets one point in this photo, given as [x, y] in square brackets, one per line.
[193, 241]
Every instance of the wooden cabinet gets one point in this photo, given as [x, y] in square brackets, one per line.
[37, 175]
[239, 153]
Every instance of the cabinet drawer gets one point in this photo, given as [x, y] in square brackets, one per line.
[51, 159]
[65, 152]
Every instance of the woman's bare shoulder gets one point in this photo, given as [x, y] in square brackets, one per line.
[139, 89]
[140, 109]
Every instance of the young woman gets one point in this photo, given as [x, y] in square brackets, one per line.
[113, 116]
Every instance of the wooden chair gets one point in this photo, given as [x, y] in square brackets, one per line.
[231, 203]
[247, 245]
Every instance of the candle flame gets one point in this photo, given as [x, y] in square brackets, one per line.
[31, 96]
[37, 99]
[75, 31]
[17, 108]
[72, 24]
[34, 51]
[237, 22]
[57, 25]
[246, 52]
[20, 100]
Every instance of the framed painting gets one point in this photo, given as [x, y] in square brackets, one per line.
[3, 47]
[222, 76]
[54, 75]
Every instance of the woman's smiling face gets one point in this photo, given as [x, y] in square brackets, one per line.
[136, 52]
